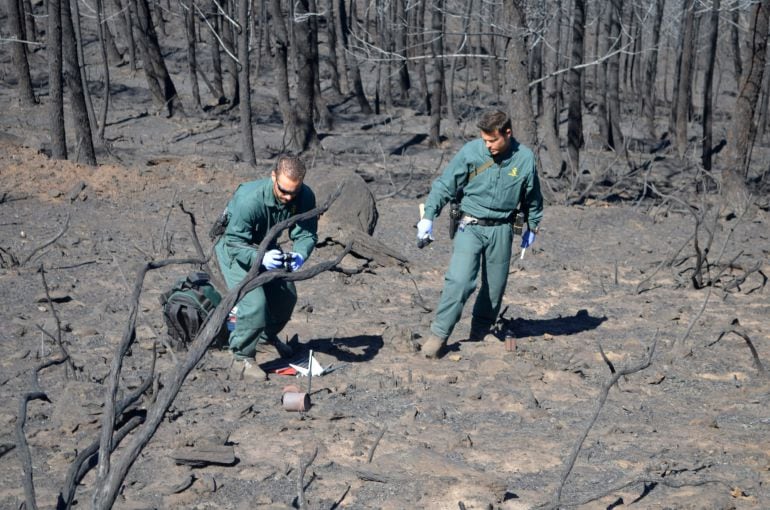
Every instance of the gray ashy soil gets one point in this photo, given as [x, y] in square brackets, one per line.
[480, 427]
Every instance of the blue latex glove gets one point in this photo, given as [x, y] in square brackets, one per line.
[296, 261]
[273, 259]
[527, 238]
[425, 229]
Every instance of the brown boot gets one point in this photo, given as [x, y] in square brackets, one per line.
[432, 347]
[248, 370]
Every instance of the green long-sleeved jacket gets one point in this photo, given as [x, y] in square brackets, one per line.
[493, 193]
[253, 210]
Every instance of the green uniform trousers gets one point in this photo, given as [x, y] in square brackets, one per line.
[488, 248]
[262, 313]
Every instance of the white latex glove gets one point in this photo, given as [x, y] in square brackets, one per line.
[273, 259]
[425, 229]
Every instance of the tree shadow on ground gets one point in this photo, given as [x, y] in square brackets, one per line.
[577, 323]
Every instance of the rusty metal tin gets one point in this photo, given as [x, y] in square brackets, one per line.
[295, 401]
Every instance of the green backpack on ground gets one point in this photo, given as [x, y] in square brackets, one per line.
[187, 306]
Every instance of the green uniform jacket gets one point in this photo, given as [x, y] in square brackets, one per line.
[494, 193]
[253, 210]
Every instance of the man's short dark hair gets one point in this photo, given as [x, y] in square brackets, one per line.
[292, 167]
[494, 120]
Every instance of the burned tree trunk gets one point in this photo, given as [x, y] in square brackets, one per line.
[746, 103]
[651, 71]
[518, 97]
[20, 62]
[681, 107]
[331, 36]
[437, 50]
[615, 140]
[304, 134]
[192, 62]
[574, 85]
[247, 137]
[404, 83]
[551, 99]
[56, 82]
[708, 114]
[83, 136]
[158, 78]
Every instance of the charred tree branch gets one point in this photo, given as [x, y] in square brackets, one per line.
[569, 464]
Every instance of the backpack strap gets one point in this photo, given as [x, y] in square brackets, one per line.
[480, 169]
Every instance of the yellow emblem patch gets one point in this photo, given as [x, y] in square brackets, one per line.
[514, 172]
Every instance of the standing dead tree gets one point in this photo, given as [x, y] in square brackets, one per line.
[110, 475]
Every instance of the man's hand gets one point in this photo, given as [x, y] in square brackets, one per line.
[425, 230]
[296, 261]
[527, 238]
[273, 259]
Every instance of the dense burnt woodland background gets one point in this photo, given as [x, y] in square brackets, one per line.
[641, 311]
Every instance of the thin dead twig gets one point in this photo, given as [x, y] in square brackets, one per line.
[603, 394]
[303, 465]
[374, 445]
[737, 329]
[22, 447]
[58, 339]
[49, 242]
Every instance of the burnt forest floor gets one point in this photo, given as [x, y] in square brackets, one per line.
[481, 426]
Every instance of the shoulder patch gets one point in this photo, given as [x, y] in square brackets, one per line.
[514, 172]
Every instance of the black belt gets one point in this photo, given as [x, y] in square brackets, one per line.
[485, 222]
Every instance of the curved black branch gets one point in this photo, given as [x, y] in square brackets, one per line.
[22, 447]
[129, 334]
[110, 478]
[63, 350]
[49, 242]
[303, 465]
[570, 462]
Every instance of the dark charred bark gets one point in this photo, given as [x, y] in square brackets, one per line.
[648, 94]
[84, 142]
[247, 137]
[735, 40]
[192, 61]
[216, 60]
[437, 89]
[158, 79]
[331, 36]
[101, 30]
[282, 67]
[708, 114]
[20, 62]
[681, 105]
[574, 85]
[355, 70]
[322, 114]
[56, 82]
[304, 134]
[743, 129]
[404, 82]
[231, 66]
[519, 100]
[615, 140]
[551, 99]
[337, 7]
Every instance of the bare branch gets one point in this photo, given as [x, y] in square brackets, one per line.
[50, 241]
[303, 465]
[570, 462]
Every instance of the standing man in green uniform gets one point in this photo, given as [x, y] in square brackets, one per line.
[254, 208]
[497, 175]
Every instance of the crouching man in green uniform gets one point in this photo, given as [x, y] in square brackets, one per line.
[497, 175]
[254, 208]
